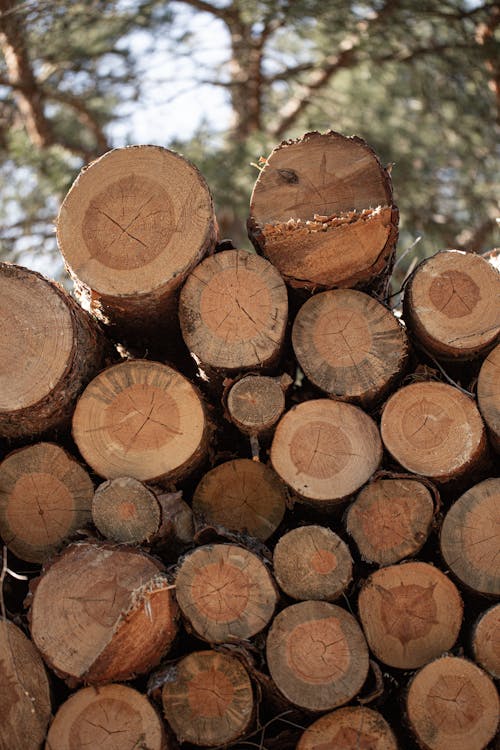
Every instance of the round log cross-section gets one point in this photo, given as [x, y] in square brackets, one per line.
[349, 345]
[225, 593]
[317, 655]
[45, 497]
[451, 303]
[110, 717]
[141, 419]
[322, 212]
[410, 613]
[486, 641]
[470, 538]
[350, 728]
[256, 402]
[49, 349]
[102, 613]
[325, 450]
[433, 429]
[125, 510]
[208, 699]
[312, 562]
[233, 312]
[488, 395]
[134, 224]
[452, 703]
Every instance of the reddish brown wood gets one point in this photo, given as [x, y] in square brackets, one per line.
[488, 395]
[350, 728]
[486, 641]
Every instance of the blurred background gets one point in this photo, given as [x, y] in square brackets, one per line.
[223, 81]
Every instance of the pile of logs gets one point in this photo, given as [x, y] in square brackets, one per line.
[244, 502]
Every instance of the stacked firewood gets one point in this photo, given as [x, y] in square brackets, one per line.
[256, 505]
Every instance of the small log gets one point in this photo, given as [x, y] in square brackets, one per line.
[350, 728]
[132, 227]
[435, 430]
[486, 641]
[256, 402]
[350, 346]
[322, 212]
[391, 519]
[233, 312]
[110, 716]
[24, 691]
[317, 655]
[451, 305]
[241, 495]
[225, 593]
[49, 350]
[470, 536]
[488, 395]
[125, 510]
[312, 562]
[101, 613]
[45, 497]
[325, 450]
[208, 699]
[410, 613]
[452, 703]
[141, 419]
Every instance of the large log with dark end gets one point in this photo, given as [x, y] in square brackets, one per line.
[49, 349]
[322, 212]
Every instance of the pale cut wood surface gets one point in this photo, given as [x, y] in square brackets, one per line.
[350, 728]
[125, 510]
[486, 641]
[256, 402]
[488, 395]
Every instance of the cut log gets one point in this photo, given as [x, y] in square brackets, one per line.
[488, 395]
[435, 430]
[45, 496]
[350, 728]
[125, 510]
[486, 641]
[132, 227]
[391, 519]
[177, 525]
[322, 212]
[410, 613]
[49, 350]
[452, 703]
[225, 593]
[350, 346]
[325, 450]
[101, 613]
[241, 495]
[113, 717]
[317, 655]
[208, 699]
[312, 562]
[141, 419]
[256, 402]
[470, 537]
[233, 312]
[451, 304]
[24, 691]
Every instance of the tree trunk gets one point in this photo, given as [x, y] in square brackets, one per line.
[125, 510]
[410, 613]
[102, 613]
[350, 728]
[317, 655]
[435, 430]
[233, 313]
[488, 395]
[451, 702]
[132, 227]
[241, 495]
[141, 419]
[312, 562]
[391, 519]
[45, 497]
[469, 538]
[322, 212]
[24, 691]
[350, 346]
[92, 715]
[42, 373]
[225, 593]
[325, 450]
[256, 402]
[486, 641]
[208, 699]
